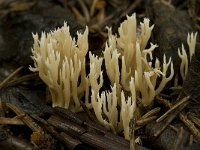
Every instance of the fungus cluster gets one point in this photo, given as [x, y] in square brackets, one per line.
[60, 61]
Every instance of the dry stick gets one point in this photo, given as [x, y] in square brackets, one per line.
[190, 125]
[117, 139]
[96, 140]
[146, 118]
[70, 142]
[151, 113]
[7, 79]
[185, 99]
[170, 118]
[163, 95]
[13, 121]
[164, 101]
[91, 125]
[66, 139]
[143, 122]
[146, 121]
[25, 118]
[194, 119]
[22, 79]
[173, 128]
[68, 115]
[183, 118]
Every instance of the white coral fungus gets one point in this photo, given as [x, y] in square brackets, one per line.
[60, 61]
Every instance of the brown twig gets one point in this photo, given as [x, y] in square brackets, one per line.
[146, 118]
[68, 115]
[164, 101]
[65, 138]
[190, 125]
[194, 119]
[13, 121]
[182, 117]
[151, 113]
[7, 79]
[22, 79]
[94, 139]
[174, 128]
[170, 118]
[24, 118]
[185, 99]
[143, 122]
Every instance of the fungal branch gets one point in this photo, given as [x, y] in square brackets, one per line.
[191, 41]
